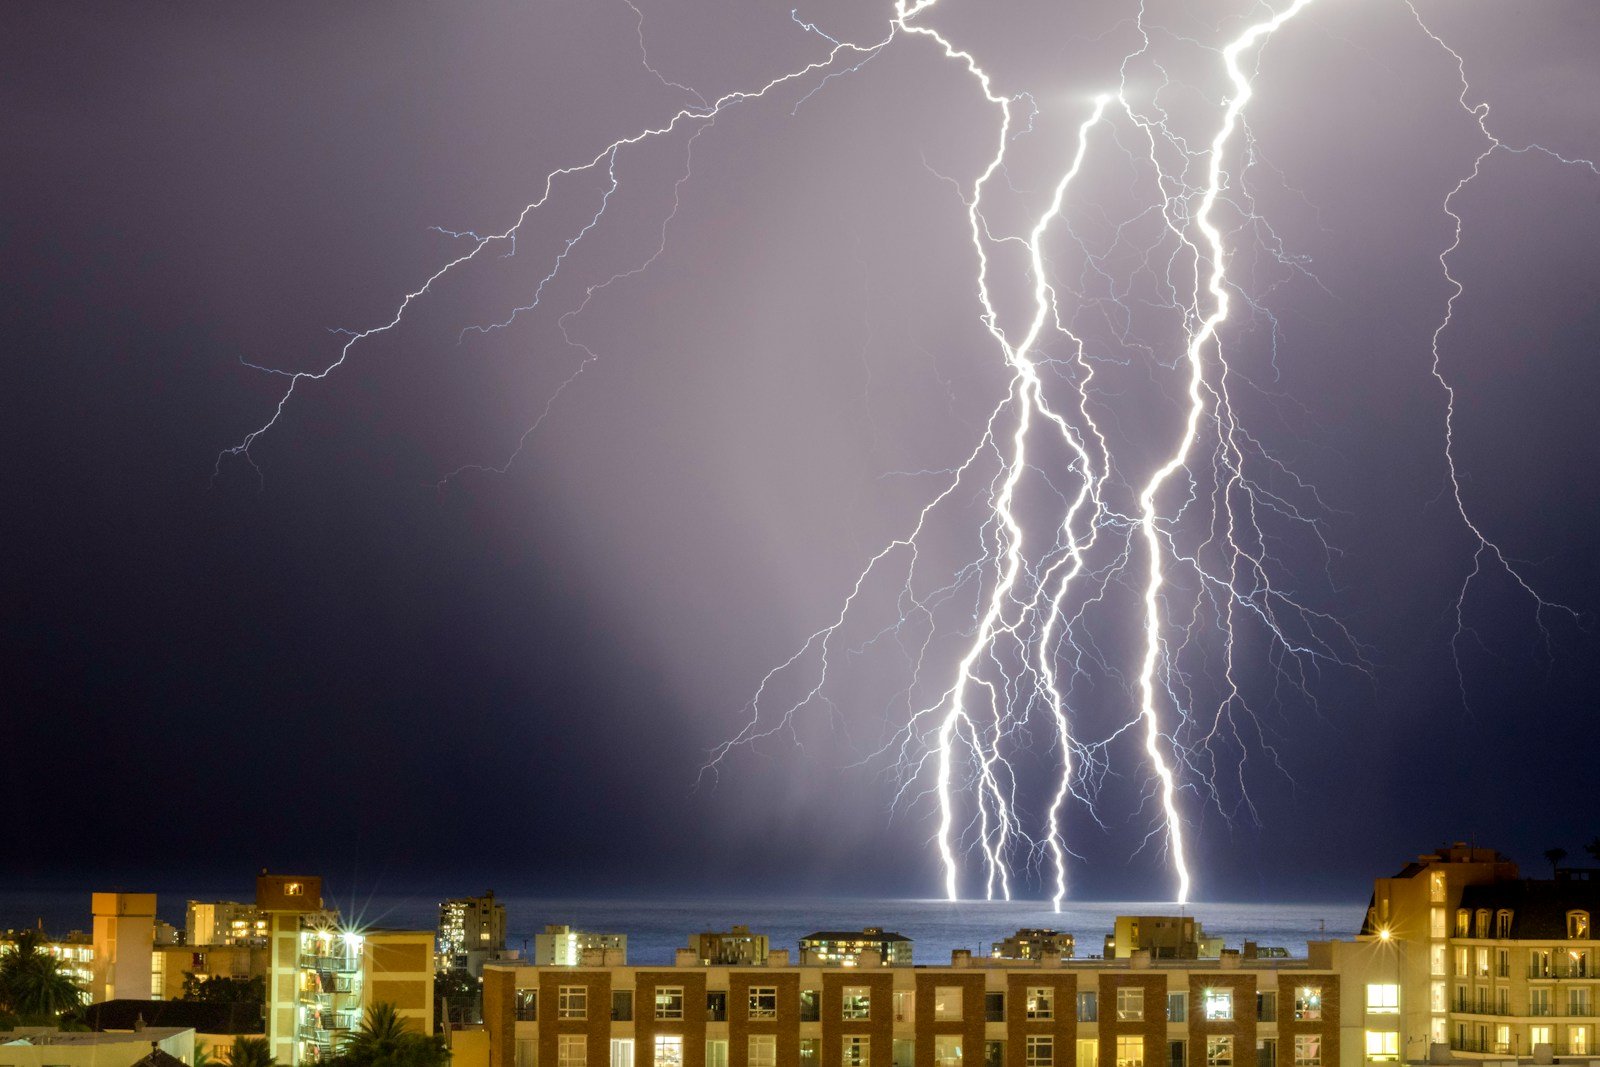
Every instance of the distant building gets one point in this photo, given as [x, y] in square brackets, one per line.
[1164, 937]
[736, 947]
[154, 1046]
[472, 930]
[75, 952]
[848, 947]
[1033, 944]
[562, 946]
[225, 922]
[171, 965]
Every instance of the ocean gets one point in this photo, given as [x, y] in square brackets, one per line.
[657, 927]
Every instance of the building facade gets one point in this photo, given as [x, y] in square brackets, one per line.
[472, 930]
[849, 947]
[562, 946]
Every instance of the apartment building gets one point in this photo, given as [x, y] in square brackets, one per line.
[1033, 944]
[472, 930]
[1494, 966]
[1331, 1009]
[735, 946]
[848, 947]
[224, 922]
[562, 946]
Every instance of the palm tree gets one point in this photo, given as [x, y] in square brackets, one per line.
[384, 1040]
[202, 1056]
[1555, 856]
[250, 1052]
[33, 984]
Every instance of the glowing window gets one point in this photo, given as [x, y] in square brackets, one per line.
[1578, 1040]
[1383, 999]
[1041, 1002]
[572, 1050]
[947, 1003]
[1217, 1004]
[1041, 1051]
[1308, 1050]
[1130, 1005]
[669, 1050]
[857, 1050]
[669, 1002]
[1539, 1035]
[857, 1002]
[1383, 1045]
[763, 1002]
[1578, 925]
[1463, 922]
[947, 1050]
[572, 1002]
[1130, 1051]
[1219, 1050]
[763, 1050]
[1308, 1003]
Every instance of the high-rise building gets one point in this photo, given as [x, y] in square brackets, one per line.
[225, 922]
[287, 902]
[124, 942]
[471, 931]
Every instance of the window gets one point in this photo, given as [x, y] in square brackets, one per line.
[1483, 963]
[1577, 963]
[572, 1050]
[1437, 923]
[1502, 924]
[994, 1007]
[810, 1006]
[1461, 962]
[1041, 1051]
[1088, 1052]
[669, 1002]
[716, 1053]
[763, 1002]
[1578, 1040]
[947, 1003]
[947, 1050]
[1177, 1007]
[293, 889]
[1217, 1004]
[1463, 922]
[526, 1005]
[1307, 1050]
[1502, 1038]
[1578, 1000]
[1130, 1005]
[1383, 1045]
[1538, 1035]
[1219, 1050]
[1480, 925]
[1502, 1000]
[572, 1002]
[1436, 961]
[1041, 1002]
[1383, 999]
[1088, 1007]
[763, 1050]
[856, 1051]
[1539, 1001]
[1267, 1007]
[669, 1050]
[1502, 963]
[622, 1005]
[1578, 925]
[1308, 1003]
[1539, 963]
[1130, 1051]
[527, 1052]
[994, 1054]
[810, 1051]
[1436, 887]
[905, 1005]
[857, 1003]
[716, 1006]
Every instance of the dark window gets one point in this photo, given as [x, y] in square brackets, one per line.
[994, 1007]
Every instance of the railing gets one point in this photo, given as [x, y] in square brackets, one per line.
[340, 964]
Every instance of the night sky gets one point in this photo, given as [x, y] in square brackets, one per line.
[347, 661]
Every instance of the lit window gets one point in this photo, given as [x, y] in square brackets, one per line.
[763, 1050]
[1130, 1050]
[572, 1002]
[857, 1002]
[1217, 1004]
[527, 1005]
[572, 1050]
[1383, 1045]
[1578, 925]
[1130, 1005]
[1219, 1050]
[669, 1050]
[1383, 999]
[856, 1051]
[669, 1002]
[293, 889]
[904, 1005]
[1307, 1050]
[946, 1050]
[1461, 962]
[1502, 1038]
[1041, 1002]
[1538, 1035]
[1463, 922]
[1436, 887]
[1578, 1040]
[947, 1003]
[763, 1002]
[1041, 1051]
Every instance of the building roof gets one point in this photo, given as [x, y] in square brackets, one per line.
[1538, 906]
[206, 1017]
[156, 1057]
[855, 935]
[41, 1035]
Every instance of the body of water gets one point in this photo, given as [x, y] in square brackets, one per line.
[656, 928]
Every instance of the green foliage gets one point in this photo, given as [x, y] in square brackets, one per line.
[224, 990]
[250, 1052]
[385, 1040]
[459, 994]
[33, 985]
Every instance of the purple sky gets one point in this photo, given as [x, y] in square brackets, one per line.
[344, 665]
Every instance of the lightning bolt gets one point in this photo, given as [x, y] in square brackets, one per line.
[1183, 540]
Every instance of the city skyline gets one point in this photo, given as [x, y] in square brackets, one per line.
[359, 651]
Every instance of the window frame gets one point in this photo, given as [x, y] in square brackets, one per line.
[1031, 1053]
[1130, 1004]
[1216, 1005]
[664, 997]
[855, 1003]
[572, 1002]
[755, 1006]
[1040, 1002]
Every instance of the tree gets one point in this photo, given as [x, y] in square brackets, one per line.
[33, 985]
[385, 1040]
[1555, 856]
[251, 1052]
[223, 989]
[459, 994]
